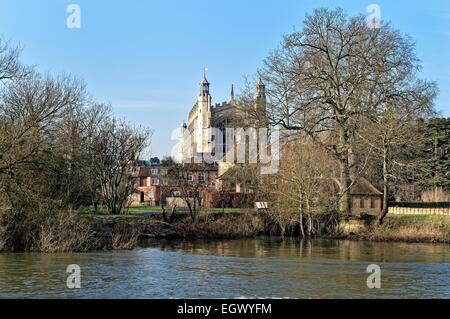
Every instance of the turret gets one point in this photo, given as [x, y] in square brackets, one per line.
[260, 96]
[203, 113]
[204, 87]
[232, 94]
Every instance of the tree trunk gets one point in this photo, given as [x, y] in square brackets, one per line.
[308, 209]
[164, 214]
[344, 202]
[345, 198]
[385, 185]
[172, 215]
[302, 230]
[310, 225]
[190, 209]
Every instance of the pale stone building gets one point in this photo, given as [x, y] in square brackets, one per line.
[205, 115]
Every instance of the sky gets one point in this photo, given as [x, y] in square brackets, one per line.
[146, 57]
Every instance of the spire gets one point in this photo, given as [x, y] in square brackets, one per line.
[260, 95]
[204, 84]
[260, 88]
[232, 93]
[205, 80]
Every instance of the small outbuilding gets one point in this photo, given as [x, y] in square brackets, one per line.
[366, 198]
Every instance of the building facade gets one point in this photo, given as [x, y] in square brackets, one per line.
[366, 198]
[154, 186]
[197, 141]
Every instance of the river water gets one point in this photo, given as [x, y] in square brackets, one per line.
[259, 268]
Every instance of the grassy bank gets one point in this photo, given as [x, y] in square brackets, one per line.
[409, 228]
[47, 230]
[234, 224]
[206, 226]
[148, 212]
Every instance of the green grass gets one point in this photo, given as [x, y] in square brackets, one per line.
[441, 221]
[147, 209]
[421, 218]
[136, 212]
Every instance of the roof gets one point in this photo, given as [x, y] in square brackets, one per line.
[363, 187]
[239, 173]
[198, 167]
[204, 81]
[144, 171]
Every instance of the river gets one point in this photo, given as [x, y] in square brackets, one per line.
[258, 268]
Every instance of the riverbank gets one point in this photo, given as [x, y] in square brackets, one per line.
[232, 225]
[407, 228]
[206, 226]
[52, 232]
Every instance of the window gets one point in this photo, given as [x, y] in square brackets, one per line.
[163, 172]
[143, 182]
[151, 194]
[372, 202]
[190, 177]
[361, 202]
[201, 177]
[155, 181]
[154, 171]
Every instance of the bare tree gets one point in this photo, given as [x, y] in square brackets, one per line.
[58, 150]
[303, 190]
[30, 111]
[119, 147]
[330, 75]
[95, 118]
[165, 192]
[10, 66]
[181, 177]
[393, 135]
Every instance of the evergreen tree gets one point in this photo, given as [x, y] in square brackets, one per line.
[435, 168]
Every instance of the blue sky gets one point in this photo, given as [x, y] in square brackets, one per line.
[146, 57]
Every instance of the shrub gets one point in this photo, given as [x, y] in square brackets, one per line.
[45, 230]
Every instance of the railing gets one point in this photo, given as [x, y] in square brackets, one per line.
[403, 208]
[420, 205]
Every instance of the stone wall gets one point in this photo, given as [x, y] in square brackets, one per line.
[351, 226]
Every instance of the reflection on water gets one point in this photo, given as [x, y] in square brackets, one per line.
[239, 268]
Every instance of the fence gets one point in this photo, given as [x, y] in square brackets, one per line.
[442, 208]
